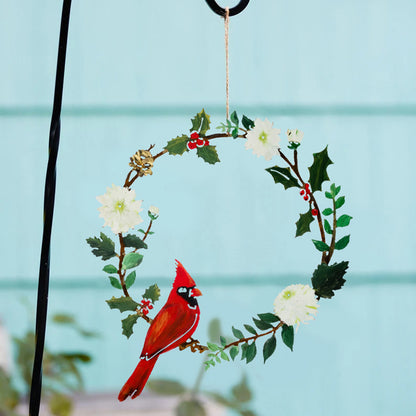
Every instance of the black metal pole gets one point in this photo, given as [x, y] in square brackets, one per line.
[49, 202]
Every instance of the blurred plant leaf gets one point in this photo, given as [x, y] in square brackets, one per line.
[60, 405]
[166, 387]
[190, 407]
[214, 329]
[241, 391]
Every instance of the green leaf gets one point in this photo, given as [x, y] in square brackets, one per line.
[283, 176]
[60, 404]
[328, 195]
[250, 329]
[262, 325]
[234, 352]
[115, 282]
[234, 133]
[269, 347]
[190, 407]
[166, 387]
[152, 293]
[237, 333]
[178, 145]
[124, 303]
[320, 245]
[63, 318]
[103, 246]
[130, 279]
[132, 260]
[343, 220]
[317, 172]
[337, 189]
[128, 323]
[327, 227]
[224, 356]
[333, 189]
[327, 211]
[208, 153]
[213, 347]
[244, 350]
[288, 336]
[326, 279]
[268, 317]
[251, 352]
[340, 202]
[241, 391]
[234, 117]
[131, 240]
[342, 243]
[109, 268]
[247, 123]
[200, 123]
[223, 341]
[303, 223]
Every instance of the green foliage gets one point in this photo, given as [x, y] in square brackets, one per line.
[130, 279]
[303, 223]
[178, 145]
[327, 211]
[200, 123]
[60, 405]
[123, 304]
[152, 293]
[251, 352]
[128, 323]
[110, 269]
[190, 407]
[343, 220]
[213, 347]
[237, 333]
[131, 260]
[115, 282]
[261, 324]
[166, 387]
[234, 350]
[283, 176]
[9, 396]
[268, 317]
[63, 318]
[102, 246]
[131, 240]
[208, 154]
[269, 347]
[342, 243]
[327, 278]
[250, 329]
[317, 172]
[241, 391]
[340, 202]
[247, 123]
[320, 245]
[327, 227]
[288, 336]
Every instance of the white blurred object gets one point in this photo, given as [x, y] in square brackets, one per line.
[5, 349]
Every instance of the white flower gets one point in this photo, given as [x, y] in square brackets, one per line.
[154, 210]
[296, 304]
[263, 139]
[294, 135]
[120, 211]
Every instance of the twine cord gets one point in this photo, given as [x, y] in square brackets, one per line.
[227, 76]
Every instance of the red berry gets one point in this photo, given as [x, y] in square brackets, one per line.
[306, 197]
[145, 311]
[302, 192]
[191, 145]
[206, 142]
[200, 142]
[150, 306]
[307, 186]
[194, 135]
[314, 212]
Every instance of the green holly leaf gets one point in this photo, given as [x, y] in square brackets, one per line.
[128, 323]
[152, 293]
[103, 246]
[327, 211]
[268, 317]
[110, 269]
[130, 279]
[247, 123]
[283, 176]
[303, 223]
[237, 333]
[326, 279]
[115, 282]
[123, 304]
[317, 172]
[250, 329]
[262, 325]
[131, 240]
[208, 153]
[327, 227]
[342, 243]
[234, 118]
[200, 123]
[340, 202]
[234, 352]
[288, 336]
[320, 245]
[343, 220]
[178, 145]
[131, 260]
[269, 347]
[251, 352]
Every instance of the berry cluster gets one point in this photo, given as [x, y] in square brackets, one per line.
[196, 141]
[305, 193]
[146, 306]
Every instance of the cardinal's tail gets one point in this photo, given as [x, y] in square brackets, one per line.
[135, 384]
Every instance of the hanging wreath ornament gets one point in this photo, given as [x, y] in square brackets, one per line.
[177, 320]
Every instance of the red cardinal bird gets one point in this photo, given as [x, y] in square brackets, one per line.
[173, 325]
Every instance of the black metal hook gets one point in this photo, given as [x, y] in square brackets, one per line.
[233, 11]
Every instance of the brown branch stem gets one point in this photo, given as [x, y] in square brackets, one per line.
[121, 272]
[147, 231]
[334, 227]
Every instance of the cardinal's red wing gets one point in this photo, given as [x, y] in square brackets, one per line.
[173, 325]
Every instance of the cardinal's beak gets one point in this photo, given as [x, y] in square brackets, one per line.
[196, 292]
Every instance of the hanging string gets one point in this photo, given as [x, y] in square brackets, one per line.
[227, 75]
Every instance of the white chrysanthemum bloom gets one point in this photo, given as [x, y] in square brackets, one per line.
[263, 139]
[296, 304]
[154, 210]
[294, 135]
[120, 211]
